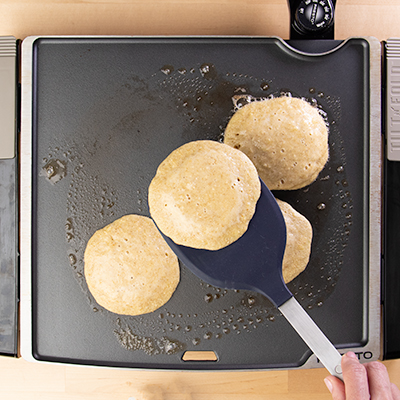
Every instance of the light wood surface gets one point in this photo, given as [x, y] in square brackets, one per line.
[22, 18]
[20, 379]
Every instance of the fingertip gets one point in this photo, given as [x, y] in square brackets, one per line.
[395, 391]
[352, 355]
[350, 359]
[335, 387]
[328, 384]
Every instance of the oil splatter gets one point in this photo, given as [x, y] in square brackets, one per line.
[54, 170]
[151, 346]
[167, 69]
[208, 71]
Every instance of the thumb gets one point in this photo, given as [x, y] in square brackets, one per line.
[336, 387]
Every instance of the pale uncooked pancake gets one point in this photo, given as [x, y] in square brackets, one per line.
[285, 137]
[298, 242]
[129, 268]
[204, 195]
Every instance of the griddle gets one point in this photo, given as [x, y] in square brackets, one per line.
[106, 111]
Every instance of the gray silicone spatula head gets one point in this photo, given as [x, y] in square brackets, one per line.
[253, 262]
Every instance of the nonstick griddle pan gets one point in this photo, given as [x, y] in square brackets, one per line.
[106, 111]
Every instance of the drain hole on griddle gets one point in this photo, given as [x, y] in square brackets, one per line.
[200, 356]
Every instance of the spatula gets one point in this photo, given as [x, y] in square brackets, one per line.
[254, 262]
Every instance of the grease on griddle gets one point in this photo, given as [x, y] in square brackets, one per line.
[265, 86]
[151, 346]
[182, 71]
[69, 230]
[196, 328]
[54, 170]
[208, 71]
[203, 96]
[72, 259]
[167, 69]
[333, 202]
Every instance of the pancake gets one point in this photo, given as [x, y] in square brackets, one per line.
[129, 269]
[298, 242]
[204, 195]
[285, 137]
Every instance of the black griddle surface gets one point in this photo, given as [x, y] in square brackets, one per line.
[106, 112]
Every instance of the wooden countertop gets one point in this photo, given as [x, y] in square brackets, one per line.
[22, 18]
[23, 380]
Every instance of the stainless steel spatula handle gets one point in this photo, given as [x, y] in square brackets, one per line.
[312, 336]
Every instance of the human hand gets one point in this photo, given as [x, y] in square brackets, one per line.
[362, 381]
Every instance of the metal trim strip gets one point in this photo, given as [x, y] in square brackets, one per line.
[26, 200]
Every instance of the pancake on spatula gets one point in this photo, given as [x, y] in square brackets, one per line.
[204, 194]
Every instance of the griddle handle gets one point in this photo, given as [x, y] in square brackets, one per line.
[312, 336]
[312, 19]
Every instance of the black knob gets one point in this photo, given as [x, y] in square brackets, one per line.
[314, 15]
[312, 18]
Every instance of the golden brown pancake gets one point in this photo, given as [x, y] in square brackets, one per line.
[204, 194]
[129, 268]
[298, 242]
[285, 137]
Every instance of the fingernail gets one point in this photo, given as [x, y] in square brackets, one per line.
[328, 384]
[352, 355]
